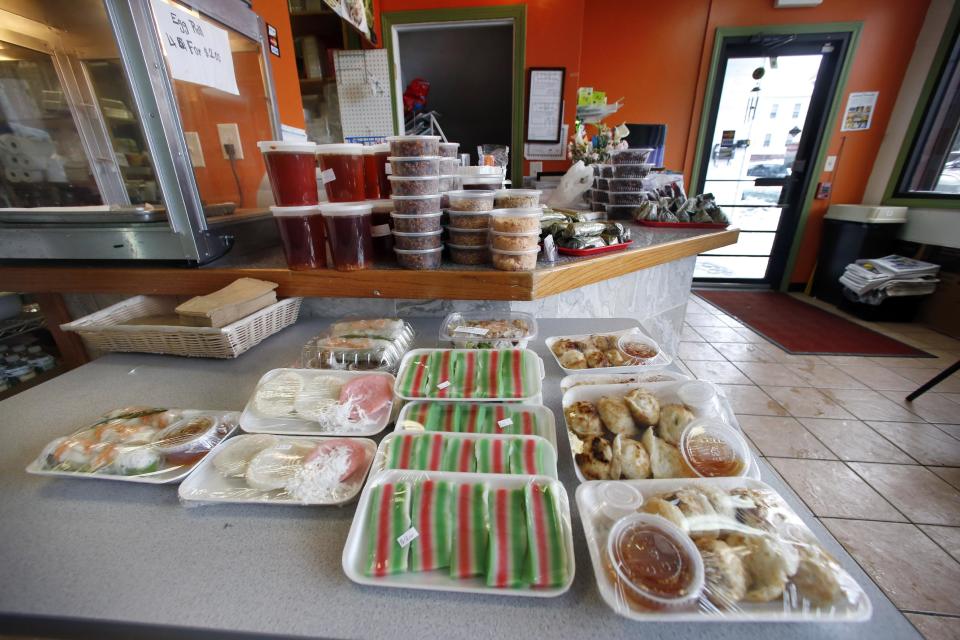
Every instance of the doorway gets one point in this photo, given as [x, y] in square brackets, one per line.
[770, 103]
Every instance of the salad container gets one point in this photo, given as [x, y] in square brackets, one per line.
[486, 330]
[492, 375]
[482, 418]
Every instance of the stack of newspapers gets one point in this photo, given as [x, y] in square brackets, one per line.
[872, 281]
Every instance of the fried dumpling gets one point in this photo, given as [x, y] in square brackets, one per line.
[695, 506]
[595, 358]
[616, 416]
[573, 359]
[816, 576]
[616, 358]
[665, 459]
[643, 406]
[673, 419]
[596, 460]
[724, 574]
[633, 458]
[583, 419]
[766, 565]
[564, 344]
[664, 509]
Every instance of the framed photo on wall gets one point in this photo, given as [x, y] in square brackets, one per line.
[544, 104]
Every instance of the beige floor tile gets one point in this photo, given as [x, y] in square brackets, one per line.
[913, 571]
[855, 441]
[846, 360]
[687, 334]
[783, 357]
[935, 627]
[684, 369]
[937, 362]
[952, 429]
[713, 371]
[743, 352]
[946, 537]
[698, 351]
[824, 376]
[720, 334]
[950, 474]
[953, 397]
[934, 340]
[930, 406]
[749, 335]
[921, 376]
[832, 490]
[917, 492]
[804, 402]
[748, 399]
[867, 404]
[878, 378]
[771, 373]
[703, 320]
[733, 323]
[783, 437]
[924, 442]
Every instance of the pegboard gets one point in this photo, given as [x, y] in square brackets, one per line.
[363, 86]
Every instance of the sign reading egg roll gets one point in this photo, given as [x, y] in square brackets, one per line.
[196, 50]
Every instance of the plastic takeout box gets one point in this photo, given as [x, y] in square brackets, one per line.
[664, 392]
[462, 375]
[308, 402]
[766, 522]
[488, 330]
[480, 418]
[241, 470]
[466, 453]
[660, 361]
[578, 379]
[486, 488]
[125, 438]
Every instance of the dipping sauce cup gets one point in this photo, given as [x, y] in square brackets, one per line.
[348, 228]
[342, 172]
[292, 169]
[301, 231]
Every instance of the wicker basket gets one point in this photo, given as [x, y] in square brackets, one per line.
[104, 330]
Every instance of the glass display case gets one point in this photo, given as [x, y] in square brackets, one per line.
[128, 128]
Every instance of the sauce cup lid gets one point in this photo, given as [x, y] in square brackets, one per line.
[702, 439]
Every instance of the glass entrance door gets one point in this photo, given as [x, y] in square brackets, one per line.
[767, 117]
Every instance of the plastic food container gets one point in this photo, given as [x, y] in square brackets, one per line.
[416, 223]
[449, 149]
[486, 330]
[655, 563]
[393, 329]
[478, 418]
[302, 234]
[292, 169]
[472, 201]
[631, 156]
[602, 184]
[631, 170]
[599, 196]
[515, 220]
[419, 258]
[351, 353]
[348, 228]
[321, 401]
[525, 260]
[137, 444]
[468, 254]
[381, 238]
[713, 449]
[639, 348]
[491, 375]
[580, 379]
[269, 469]
[410, 186]
[602, 352]
[516, 198]
[482, 183]
[449, 166]
[381, 210]
[514, 241]
[425, 240]
[606, 170]
[468, 237]
[342, 172]
[699, 395]
[377, 554]
[408, 205]
[449, 183]
[382, 152]
[406, 146]
[416, 166]
[624, 184]
[759, 530]
[469, 219]
[627, 197]
[622, 211]
[371, 184]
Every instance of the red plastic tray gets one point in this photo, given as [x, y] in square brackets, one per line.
[683, 225]
[594, 251]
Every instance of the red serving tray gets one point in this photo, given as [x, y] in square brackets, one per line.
[593, 251]
[683, 225]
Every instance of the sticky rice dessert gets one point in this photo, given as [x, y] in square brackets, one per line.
[276, 397]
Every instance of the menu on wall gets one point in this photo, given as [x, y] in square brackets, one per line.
[196, 50]
[545, 105]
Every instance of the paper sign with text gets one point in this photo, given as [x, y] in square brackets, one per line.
[196, 50]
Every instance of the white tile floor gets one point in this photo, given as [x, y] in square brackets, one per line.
[882, 474]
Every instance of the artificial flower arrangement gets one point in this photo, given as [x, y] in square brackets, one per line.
[596, 149]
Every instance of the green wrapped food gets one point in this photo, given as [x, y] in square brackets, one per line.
[590, 242]
[583, 229]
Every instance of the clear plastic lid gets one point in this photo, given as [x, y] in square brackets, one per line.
[499, 193]
[411, 234]
[523, 252]
[281, 146]
[414, 178]
[413, 159]
[381, 206]
[469, 194]
[418, 251]
[383, 147]
[409, 138]
[714, 449]
[698, 394]
[340, 149]
[483, 326]
[633, 155]
[350, 353]
[346, 209]
[515, 234]
[468, 247]
[450, 145]
[426, 197]
[381, 328]
[295, 212]
[416, 215]
[516, 213]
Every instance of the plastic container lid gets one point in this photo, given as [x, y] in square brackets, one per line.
[469, 193]
[707, 440]
[697, 393]
[647, 165]
[440, 248]
[281, 146]
[401, 138]
[517, 192]
[618, 499]
[481, 172]
[424, 197]
[298, 212]
[676, 535]
[412, 159]
[368, 150]
[522, 252]
[335, 209]
[454, 212]
[515, 213]
[381, 206]
[417, 233]
[617, 152]
[481, 179]
[450, 144]
[340, 148]
[392, 178]
[415, 215]
[482, 230]
[461, 325]
[381, 147]
[514, 234]
[469, 247]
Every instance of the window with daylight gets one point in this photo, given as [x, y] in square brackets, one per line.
[773, 110]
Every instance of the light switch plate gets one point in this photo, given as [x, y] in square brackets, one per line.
[193, 146]
[230, 134]
[830, 164]
[535, 168]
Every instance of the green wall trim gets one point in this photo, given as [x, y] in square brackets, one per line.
[854, 29]
[943, 49]
[515, 12]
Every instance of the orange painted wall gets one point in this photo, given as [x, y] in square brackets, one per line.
[284, 68]
[668, 87]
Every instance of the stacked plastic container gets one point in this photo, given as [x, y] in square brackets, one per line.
[449, 170]
[469, 223]
[415, 191]
[619, 188]
[515, 229]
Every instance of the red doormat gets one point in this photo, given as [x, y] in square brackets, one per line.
[799, 327]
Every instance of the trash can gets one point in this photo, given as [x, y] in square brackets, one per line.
[852, 232]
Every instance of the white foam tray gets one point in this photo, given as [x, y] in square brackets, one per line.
[660, 361]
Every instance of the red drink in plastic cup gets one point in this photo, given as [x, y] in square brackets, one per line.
[302, 233]
[292, 169]
[370, 181]
[348, 227]
[381, 153]
[342, 171]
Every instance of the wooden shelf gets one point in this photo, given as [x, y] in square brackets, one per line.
[652, 248]
[32, 382]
